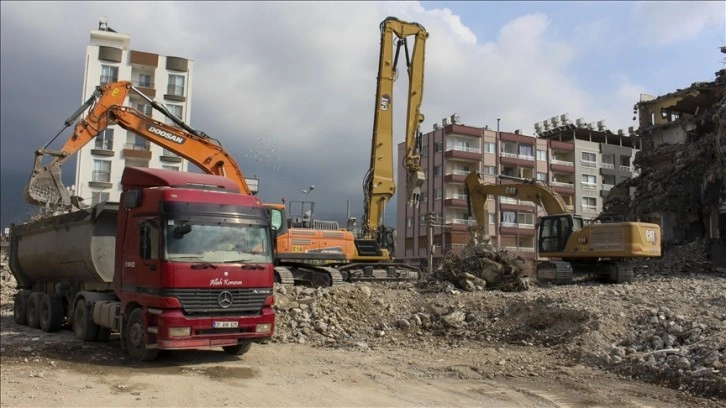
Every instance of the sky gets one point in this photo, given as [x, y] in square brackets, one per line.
[288, 88]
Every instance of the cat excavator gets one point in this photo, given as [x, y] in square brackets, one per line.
[572, 246]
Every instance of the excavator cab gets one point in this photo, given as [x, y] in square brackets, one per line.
[555, 231]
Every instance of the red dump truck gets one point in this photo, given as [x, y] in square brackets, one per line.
[182, 261]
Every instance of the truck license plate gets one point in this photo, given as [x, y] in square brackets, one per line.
[225, 325]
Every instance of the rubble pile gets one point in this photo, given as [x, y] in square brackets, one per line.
[7, 284]
[691, 258]
[480, 267]
[663, 329]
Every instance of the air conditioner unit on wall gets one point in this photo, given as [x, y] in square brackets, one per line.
[444, 121]
[436, 126]
[580, 122]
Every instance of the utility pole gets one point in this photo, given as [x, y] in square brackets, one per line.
[433, 220]
[498, 209]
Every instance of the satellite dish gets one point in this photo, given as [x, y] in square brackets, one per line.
[103, 23]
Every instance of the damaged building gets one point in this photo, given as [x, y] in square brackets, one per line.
[682, 167]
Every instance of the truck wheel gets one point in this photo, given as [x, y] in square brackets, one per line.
[20, 308]
[33, 316]
[50, 314]
[83, 326]
[238, 349]
[136, 338]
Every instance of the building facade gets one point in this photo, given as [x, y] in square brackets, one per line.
[580, 162]
[165, 79]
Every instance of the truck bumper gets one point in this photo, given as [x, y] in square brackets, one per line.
[204, 334]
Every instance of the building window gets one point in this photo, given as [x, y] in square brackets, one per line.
[437, 194]
[490, 147]
[589, 159]
[99, 197]
[491, 218]
[542, 155]
[438, 146]
[144, 108]
[526, 150]
[525, 218]
[145, 81]
[437, 170]
[422, 197]
[424, 151]
[409, 221]
[104, 140]
[490, 170]
[589, 179]
[139, 143]
[108, 74]
[176, 110]
[176, 85]
[509, 218]
[101, 171]
[172, 168]
[589, 204]
[168, 153]
[541, 176]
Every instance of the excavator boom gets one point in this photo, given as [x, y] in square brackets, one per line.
[533, 191]
[379, 185]
[105, 109]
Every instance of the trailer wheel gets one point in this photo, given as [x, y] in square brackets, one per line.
[83, 326]
[50, 314]
[33, 316]
[238, 349]
[20, 308]
[136, 338]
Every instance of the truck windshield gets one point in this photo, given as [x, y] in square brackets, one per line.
[194, 241]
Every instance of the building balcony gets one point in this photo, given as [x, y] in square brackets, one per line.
[141, 58]
[464, 153]
[562, 166]
[513, 228]
[562, 185]
[588, 186]
[456, 176]
[588, 163]
[558, 145]
[458, 224]
[609, 166]
[516, 159]
[455, 200]
[563, 188]
[134, 151]
[170, 157]
[589, 208]
[145, 88]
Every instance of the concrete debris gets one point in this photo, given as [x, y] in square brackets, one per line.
[480, 267]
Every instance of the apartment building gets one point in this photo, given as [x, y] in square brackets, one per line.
[165, 79]
[579, 161]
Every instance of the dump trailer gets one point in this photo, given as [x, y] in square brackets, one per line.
[183, 261]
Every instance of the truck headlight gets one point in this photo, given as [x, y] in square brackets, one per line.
[180, 331]
[262, 328]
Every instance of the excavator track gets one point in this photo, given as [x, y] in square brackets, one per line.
[623, 273]
[379, 272]
[284, 276]
[312, 275]
[555, 271]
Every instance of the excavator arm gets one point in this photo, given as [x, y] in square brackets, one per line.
[379, 185]
[105, 109]
[534, 191]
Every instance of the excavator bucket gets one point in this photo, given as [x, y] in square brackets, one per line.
[45, 185]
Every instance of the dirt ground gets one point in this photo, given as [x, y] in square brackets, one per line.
[42, 370]
[581, 345]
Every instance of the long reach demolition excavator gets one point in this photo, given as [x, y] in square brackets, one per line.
[572, 246]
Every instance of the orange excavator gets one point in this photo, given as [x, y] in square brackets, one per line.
[572, 245]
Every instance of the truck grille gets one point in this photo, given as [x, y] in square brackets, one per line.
[246, 301]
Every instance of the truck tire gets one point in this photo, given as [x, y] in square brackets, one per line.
[238, 349]
[32, 313]
[50, 314]
[83, 326]
[136, 338]
[20, 308]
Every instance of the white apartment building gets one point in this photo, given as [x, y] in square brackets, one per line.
[165, 79]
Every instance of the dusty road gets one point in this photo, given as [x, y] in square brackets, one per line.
[44, 370]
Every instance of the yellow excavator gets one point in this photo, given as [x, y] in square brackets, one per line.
[572, 246]
[378, 184]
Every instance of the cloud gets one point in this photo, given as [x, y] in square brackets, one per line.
[671, 22]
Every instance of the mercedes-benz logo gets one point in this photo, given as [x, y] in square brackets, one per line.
[225, 299]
